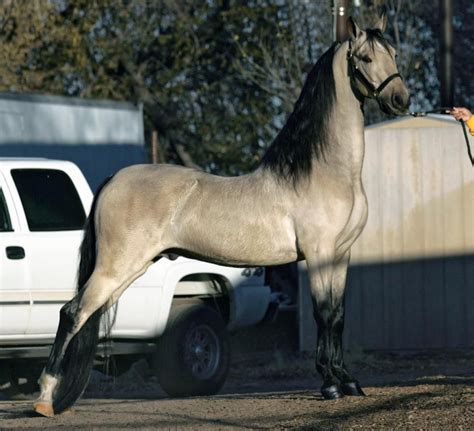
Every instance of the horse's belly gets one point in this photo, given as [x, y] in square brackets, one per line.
[234, 242]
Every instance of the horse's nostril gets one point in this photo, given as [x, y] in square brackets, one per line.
[398, 101]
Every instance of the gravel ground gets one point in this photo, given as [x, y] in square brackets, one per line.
[276, 391]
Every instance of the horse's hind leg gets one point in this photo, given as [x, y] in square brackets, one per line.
[99, 291]
[49, 377]
[349, 384]
[73, 315]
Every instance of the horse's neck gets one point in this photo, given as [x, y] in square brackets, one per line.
[346, 150]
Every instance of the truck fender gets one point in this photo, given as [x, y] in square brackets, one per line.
[248, 303]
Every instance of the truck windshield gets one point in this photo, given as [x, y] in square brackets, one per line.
[50, 200]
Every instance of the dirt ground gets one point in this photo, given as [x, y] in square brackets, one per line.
[432, 391]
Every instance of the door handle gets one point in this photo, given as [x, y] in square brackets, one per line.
[15, 252]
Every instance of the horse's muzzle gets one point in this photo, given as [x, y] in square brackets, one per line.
[397, 103]
[400, 102]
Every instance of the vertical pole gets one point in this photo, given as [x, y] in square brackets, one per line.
[446, 60]
[154, 146]
[340, 10]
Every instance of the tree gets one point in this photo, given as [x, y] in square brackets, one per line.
[110, 49]
[217, 78]
[463, 63]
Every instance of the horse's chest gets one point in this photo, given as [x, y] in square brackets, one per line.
[356, 220]
[336, 218]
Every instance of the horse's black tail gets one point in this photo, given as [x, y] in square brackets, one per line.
[79, 357]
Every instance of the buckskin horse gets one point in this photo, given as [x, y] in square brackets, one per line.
[304, 201]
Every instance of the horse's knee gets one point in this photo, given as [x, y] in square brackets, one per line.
[322, 311]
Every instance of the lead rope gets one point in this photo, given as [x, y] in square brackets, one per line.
[447, 111]
[469, 153]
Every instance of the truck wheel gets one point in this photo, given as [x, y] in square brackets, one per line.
[13, 373]
[192, 356]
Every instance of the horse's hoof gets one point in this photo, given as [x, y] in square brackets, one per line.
[332, 392]
[44, 409]
[352, 388]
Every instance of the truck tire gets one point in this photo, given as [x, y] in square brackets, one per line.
[14, 372]
[193, 354]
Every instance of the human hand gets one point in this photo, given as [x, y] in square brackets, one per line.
[461, 114]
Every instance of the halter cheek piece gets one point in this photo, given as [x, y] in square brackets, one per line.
[356, 75]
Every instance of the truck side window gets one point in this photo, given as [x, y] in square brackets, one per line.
[50, 200]
[5, 222]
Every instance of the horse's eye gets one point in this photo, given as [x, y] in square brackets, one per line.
[366, 59]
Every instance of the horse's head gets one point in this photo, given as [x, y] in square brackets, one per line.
[373, 69]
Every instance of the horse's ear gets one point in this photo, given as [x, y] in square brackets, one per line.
[353, 28]
[382, 22]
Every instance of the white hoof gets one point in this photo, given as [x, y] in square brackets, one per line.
[44, 409]
[44, 403]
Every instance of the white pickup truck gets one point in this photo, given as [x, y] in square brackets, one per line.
[178, 314]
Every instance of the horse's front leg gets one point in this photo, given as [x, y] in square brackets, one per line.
[349, 384]
[326, 308]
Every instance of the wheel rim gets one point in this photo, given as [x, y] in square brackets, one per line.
[202, 352]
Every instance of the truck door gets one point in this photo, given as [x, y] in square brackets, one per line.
[15, 299]
[54, 217]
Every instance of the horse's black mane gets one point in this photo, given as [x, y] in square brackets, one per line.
[305, 133]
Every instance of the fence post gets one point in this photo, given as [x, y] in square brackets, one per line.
[154, 147]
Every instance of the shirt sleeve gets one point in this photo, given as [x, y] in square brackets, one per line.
[470, 124]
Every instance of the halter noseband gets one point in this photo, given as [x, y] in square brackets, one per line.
[356, 74]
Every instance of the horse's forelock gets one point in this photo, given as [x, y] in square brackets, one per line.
[375, 35]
